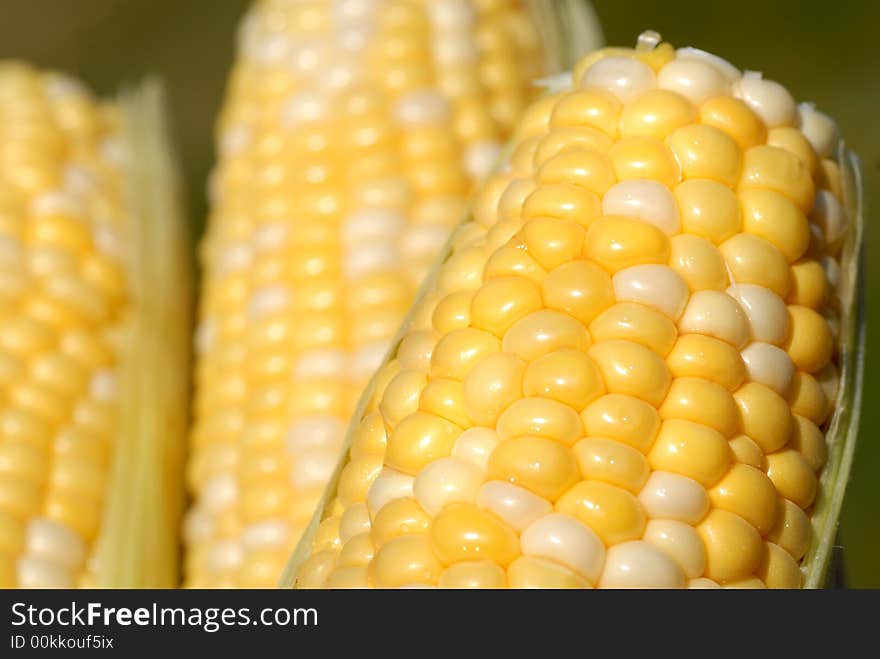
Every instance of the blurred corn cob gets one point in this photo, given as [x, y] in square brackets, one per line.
[623, 371]
[93, 337]
[352, 134]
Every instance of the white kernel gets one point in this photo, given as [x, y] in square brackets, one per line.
[458, 15]
[104, 386]
[515, 505]
[657, 286]
[355, 520]
[235, 139]
[269, 237]
[829, 214]
[57, 202]
[312, 469]
[225, 555]
[832, 271]
[423, 240]
[638, 564]
[198, 525]
[220, 493]
[829, 380]
[715, 314]
[695, 79]
[675, 497]
[475, 445]
[768, 99]
[267, 534]
[370, 257]
[680, 542]
[819, 129]
[645, 200]
[480, 158]
[389, 486]
[36, 572]
[319, 363]
[308, 57]
[422, 107]
[324, 432]
[303, 107]
[566, 540]
[455, 50]
[765, 310]
[702, 583]
[55, 543]
[727, 69]
[368, 359]
[235, 256]
[625, 77]
[268, 300]
[769, 365]
[445, 481]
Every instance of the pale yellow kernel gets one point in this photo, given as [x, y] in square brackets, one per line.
[645, 158]
[792, 531]
[543, 332]
[590, 170]
[705, 152]
[764, 416]
[753, 260]
[698, 262]
[540, 417]
[617, 242]
[709, 209]
[807, 438]
[457, 352]
[473, 574]
[397, 518]
[502, 301]
[570, 138]
[635, 322]
[578, 288]
[444, 397]
[419, 439]
[748, 452]
[778, 169]
[747, 492]
[589, 107]
[536, 572]
[407, 559]
[564, 201]
[778, 569]
[708, 358]
[656, 113]
[491, 385]
[736, 118]
[775, 218]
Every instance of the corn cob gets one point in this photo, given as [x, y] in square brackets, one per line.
[352, 134]
[93, 338]
[622, 372]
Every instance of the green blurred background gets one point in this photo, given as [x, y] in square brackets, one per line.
[824, 52]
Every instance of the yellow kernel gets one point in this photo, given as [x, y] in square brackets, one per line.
[614, 514]
[612, 462]
[590, 107]
[452, 312]
[735, 118]
[776, 219]
[634, 322]
[701, 401]
[418, 440]
[748, 452]
[314, 571]
[543, 332]
[457, 352]
[733, 547]
[705, 152]
[590, 170]
[777, 169]
[579, 288]
[778, 569]
[810, 342]
[698, 262]
[567, 376]
[793, 530]
[624, 418]
[396, 518]
[764, 416]
[535, 572]
[632, 369]
[445, 398]
[706, 357]
[747, 492]
[691, 450]
[368, 437]
[794, 141]
[356, 478]
[656, 113]
[473, 574]
[463, 532]
[807, 398]
[793, 477]
[564, 201]
[540, 417]
[570, 137]
[541, 465]
[809, 441]
[552, 242]
[502, 301]
[644, 158]
[491, 385]
[512, 261]
[809, 284]
[753, 260]
[618, 242]
[709, 209]
[407, 559]
[401, 397]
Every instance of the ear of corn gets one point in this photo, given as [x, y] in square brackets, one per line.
[637, 364]
[93, 337]
[352, 134]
